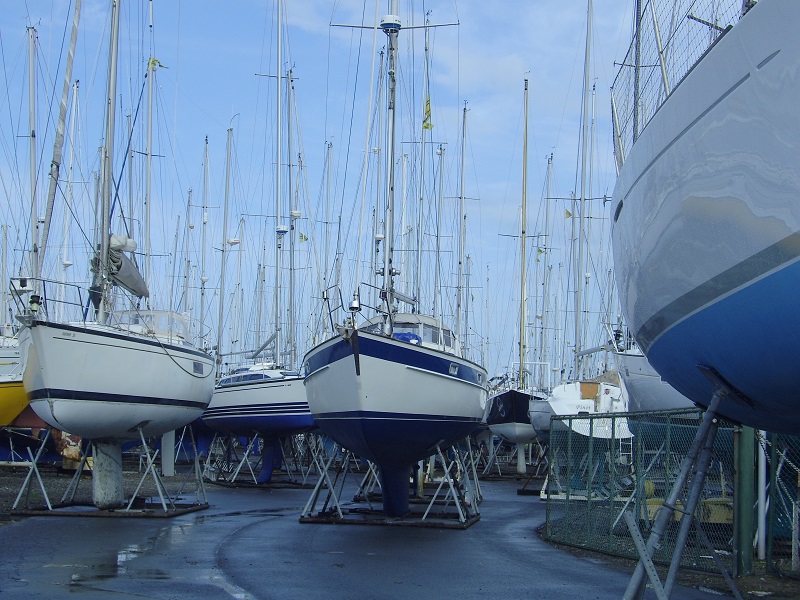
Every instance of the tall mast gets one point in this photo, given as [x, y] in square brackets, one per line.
[65, 261]
[326, 275]
[280, 228]
[523, 245]
[34, 258]
[294, 214]
[187, 306]
[151, 70]
[437, 288]
[546, 279]
[203, 276]
[220, 328]
[426, 124]
[582, 204]
[391, 26]
[58, 143]
[108, 157]
[462, 217]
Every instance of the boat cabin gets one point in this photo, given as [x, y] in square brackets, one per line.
[420, 330]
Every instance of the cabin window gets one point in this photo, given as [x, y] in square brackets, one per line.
[430, 334]
[406, 328]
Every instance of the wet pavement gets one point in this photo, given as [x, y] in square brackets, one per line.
[249, 544]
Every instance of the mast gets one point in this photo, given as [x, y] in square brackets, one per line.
[437, 288]
[280, 228]
[391, 26]
[426, 124]
[462, 216]
[58, 144]
[34, 258]
[203, 276]
[547, 272]
[220, 329]
[325, 280]
[151, 70]
[582, 201]
[187, 307]
[294, 214]
[65, 261]
[523, 245]
[108, 159]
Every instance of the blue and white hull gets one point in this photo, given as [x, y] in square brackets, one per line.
[392, 402]
[268, 407]
[707, 225]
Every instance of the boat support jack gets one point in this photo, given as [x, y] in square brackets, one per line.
[458, 487]
[695, 466]
[68, 502]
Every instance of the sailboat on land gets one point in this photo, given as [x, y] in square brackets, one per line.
[265, 398]
[508, 410]
[706, 221]
[582, 396]
[396, 387]
[110, 375]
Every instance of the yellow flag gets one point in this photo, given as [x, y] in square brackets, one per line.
[426, 122]
[303, 237]
[567, 214]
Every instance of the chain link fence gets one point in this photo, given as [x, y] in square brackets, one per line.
[783, 515]
[603, 465]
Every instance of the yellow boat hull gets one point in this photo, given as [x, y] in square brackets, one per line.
[13, 401]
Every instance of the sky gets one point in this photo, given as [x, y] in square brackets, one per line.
[218, 62]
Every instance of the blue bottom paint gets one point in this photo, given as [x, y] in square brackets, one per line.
[395, 482]
[752, 339]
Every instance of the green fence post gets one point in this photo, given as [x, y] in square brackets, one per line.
[743, 500]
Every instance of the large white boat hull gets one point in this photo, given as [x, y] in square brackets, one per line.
[647, 391]
[707, 225]
[268, 407]
[102, 384]
[390, 401]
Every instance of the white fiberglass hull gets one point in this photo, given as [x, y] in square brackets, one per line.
[582, 399]
[647, 391]
[268, 407]
[390, 401]
[707, 225]
[100, 383]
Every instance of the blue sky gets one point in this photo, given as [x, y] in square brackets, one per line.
[212, 53]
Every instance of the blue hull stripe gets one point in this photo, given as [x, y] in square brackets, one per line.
[398, 352]
[48, 393]
[778, 255]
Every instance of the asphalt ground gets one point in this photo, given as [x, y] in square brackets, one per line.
[250, 544]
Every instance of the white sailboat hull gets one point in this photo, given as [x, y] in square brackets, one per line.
[647, 391]
[707, 225]
[101, 383]
[391, 401]
[269, 407]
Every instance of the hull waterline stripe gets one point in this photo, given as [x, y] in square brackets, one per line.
[100, 397]
[777, 256]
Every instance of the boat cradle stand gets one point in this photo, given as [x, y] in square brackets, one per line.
[225, 464]
[452, 503]
[693, 470]
[136, 507]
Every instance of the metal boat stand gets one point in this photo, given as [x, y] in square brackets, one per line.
[540, 467]
[137, 507]
[457, 488]
[33, 470]
[224, 464]
[693, 469]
